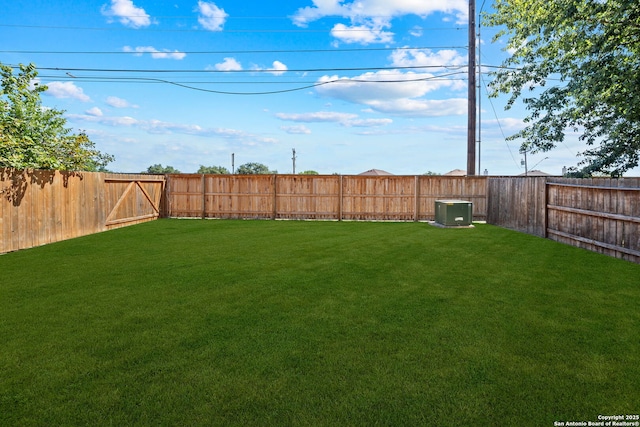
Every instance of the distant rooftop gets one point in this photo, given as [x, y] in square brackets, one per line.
[456, 172]
[375, 172]
[535, 172]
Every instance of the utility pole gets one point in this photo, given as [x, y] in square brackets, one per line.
[471, 116]
[479, 110]
[524, 162]
[294, 160]
[233, 163]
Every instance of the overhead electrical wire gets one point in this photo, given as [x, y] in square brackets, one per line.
[77, 72]
[495, 113]
[484, 85]
[221, 16]
[229, 52]
[264, 70]
[272, 92]
[99, 79]
[226, 30]
[131, 79]
[267, 70]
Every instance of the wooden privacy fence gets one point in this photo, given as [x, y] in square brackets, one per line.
[598, 214]
[518, 204]
[328, 197]
[601, 215]
[39, 207]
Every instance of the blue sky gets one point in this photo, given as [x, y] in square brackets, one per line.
[351, 85]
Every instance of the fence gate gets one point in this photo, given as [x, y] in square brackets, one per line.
[132, 200]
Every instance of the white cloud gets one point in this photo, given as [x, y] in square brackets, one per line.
[417, 31]
[66, 90]
[159, 127]
[319, 117]
[229, 64]
[155, 53]
[368, 123]
[166, 128]
[448, 60]
[392, 84]
[320, 9]
[296, 130]
[211, 17]
[422, 107]
[95, 111]
[116, 102]
[393, 92]
[427, 58]
[364, 34]
[417, 130]
[120, 121]
[381, 10]
[345, 119]
[127, 13]
[279, 67]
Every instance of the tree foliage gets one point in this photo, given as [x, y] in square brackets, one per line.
[158, 169]
[35, 137]
[576, 66]
[308, 172]
[254, 169]
[220, 170]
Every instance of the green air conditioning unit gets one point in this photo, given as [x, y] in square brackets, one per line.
[454, 212]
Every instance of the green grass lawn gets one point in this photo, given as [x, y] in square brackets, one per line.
[260, 323]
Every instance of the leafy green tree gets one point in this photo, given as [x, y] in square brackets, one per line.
[158, 169]
[309, 172]
[576, 66]
[35, 137]
[254, 169]
[430, 173]
[220, 170]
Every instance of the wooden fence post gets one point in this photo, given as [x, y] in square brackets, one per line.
[275, 196]
[340, 213]
[416, 192]
[545, 217]
[204, 198]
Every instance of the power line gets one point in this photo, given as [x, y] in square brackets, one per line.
[142, 80]
[196, 30]
[504, 137]
[220, 16]
[235, 52]
[273, 92]
[270, 70]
